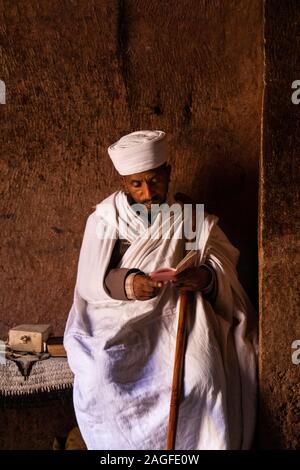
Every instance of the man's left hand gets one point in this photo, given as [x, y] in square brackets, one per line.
[192, 279]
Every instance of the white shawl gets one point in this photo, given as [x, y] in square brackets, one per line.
[122, 352]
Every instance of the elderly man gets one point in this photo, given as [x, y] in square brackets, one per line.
[121, 331]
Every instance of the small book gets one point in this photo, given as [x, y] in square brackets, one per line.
[169, 274]
[55, 346]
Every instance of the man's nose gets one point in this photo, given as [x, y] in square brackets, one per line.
[148, 192]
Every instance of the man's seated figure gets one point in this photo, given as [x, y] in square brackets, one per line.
[121, 330]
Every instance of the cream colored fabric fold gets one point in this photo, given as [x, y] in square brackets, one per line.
[139, 151]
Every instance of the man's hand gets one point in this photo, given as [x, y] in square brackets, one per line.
[144, 288]
[192, 279]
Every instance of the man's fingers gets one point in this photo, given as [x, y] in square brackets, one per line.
[145, 297]
[187, 273]
[145, 288]
[179, 279]
[178, 284]
[182, 283]
[148, 290]
[155, 284]
[147, 281]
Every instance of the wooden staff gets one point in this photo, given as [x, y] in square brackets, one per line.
[177, 370]
[184, 300]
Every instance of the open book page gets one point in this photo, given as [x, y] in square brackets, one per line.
[188, 261]
[169, 274]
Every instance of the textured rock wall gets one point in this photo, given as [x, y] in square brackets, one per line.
[78, 76]
[279, 231]
[81, 74]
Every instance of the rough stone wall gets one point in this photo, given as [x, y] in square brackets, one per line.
[279, 231]
[81, 74]
[78, 76]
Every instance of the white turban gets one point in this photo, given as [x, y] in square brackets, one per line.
[138, 151]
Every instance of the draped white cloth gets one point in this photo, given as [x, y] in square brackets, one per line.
[122, 352]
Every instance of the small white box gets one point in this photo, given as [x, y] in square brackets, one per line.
[30, 338]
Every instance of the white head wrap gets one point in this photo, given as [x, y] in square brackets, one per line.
[138, 151]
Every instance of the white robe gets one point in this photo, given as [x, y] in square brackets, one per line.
[122, 352]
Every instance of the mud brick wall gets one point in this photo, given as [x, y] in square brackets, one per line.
[279, 230]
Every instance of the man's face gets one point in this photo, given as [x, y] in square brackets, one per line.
[149, 187]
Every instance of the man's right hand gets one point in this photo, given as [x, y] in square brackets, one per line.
[144, 288]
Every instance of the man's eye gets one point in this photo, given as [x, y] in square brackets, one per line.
[136, 184]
